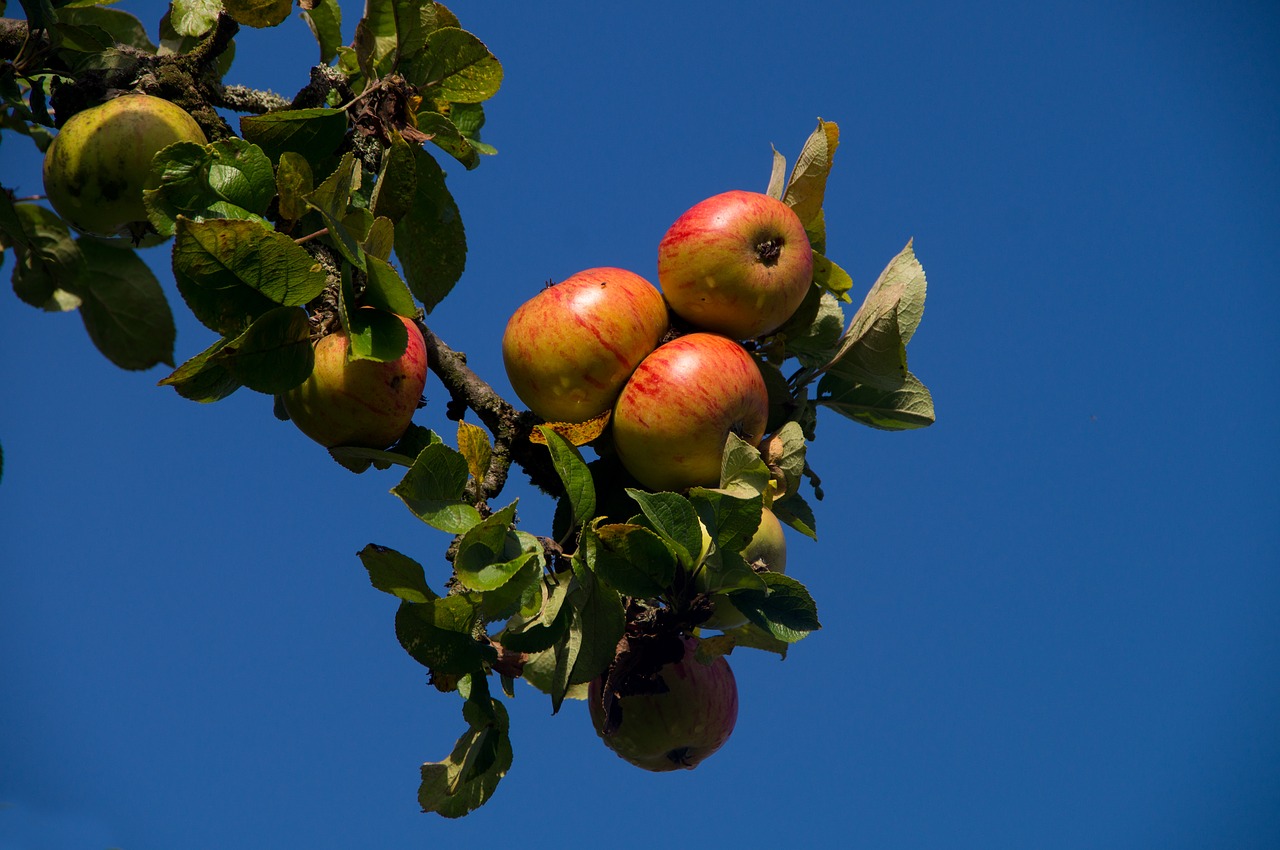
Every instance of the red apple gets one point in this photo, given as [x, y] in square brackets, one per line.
[97, 166]
[570, 348]
[679, 728]
[675, 414]
[738, 263]
[365, 403]
[768, 546]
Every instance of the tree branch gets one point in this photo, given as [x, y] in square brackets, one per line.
[510, 427]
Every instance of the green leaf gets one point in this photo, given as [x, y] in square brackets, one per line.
[573, 471]
[742, 471]
[384, 288]
[241, 174]
[397, 574]
[376, 335]
[831, 278]
[791, 459]
[566, 653]
[457, 67]
[907, 407]
[315, 134]
[673, 517]
[203, 378]
[293, 183]
[812, 335]
[730, 518]
[601, 620]
[535, 636]
[794, 511]
[444, 135]
[227, 179]
[39, 14]
[430, 240]
[121, 27]
[786, 611]
[258, 13]
[522, 587]
[194, 17]
[808, 184]
[629, 558]
[378, 244]
[489, 554]
[894, 305]
[468, 777]
[274, 354]
[331, 199]
[432, 489]
[753, 637]
[437, 634]
[324, 18]
[397, 186]
[231, 272]
[123, 307]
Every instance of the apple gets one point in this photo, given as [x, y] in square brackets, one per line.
[674, 415]
[767, 546]
[364, 403]
[97, 166]
[676, 729]
[738, 263]
[570, 348]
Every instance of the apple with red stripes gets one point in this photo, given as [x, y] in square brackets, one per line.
[738, 263]
[675, 414]
[569, 350]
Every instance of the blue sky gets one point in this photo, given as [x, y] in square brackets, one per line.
[1049, 620]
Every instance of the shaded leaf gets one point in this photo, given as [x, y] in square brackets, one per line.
[673, 517]
[258, 13]
[274, 354]
[324, 18]
[629, 558]
[123, 307]
[437, 634]
[430, 240]
[293, 183]
[312, 133]
[203, 378]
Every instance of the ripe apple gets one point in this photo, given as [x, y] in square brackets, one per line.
[97, 166]
[359, 402]
[676, 729]
[738, 263]
[570, 348]
[768, 546]
[675, 414]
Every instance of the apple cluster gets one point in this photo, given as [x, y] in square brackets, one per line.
[668, 365]
[734, 267]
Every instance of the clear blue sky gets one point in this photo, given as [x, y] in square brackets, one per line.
[1050, 620]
